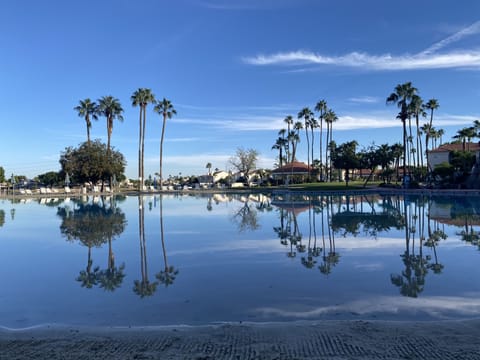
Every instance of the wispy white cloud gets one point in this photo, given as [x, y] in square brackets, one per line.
[189, 139]
[427, 59]
[469, 30]
[239, 123]
[349, 121]
[365, 99]
[455, 59]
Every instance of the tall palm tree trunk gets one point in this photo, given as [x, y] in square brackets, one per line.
[162, 234]
[144, 120]
[88, 129]
[161, 149]
[326, 153]
[140, 137]
[419, 144]
[320, 148]
[313, 144]
[404, 147]
[308, 147]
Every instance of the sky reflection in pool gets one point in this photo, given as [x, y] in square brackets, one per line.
[102, 261]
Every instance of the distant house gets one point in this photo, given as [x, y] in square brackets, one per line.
[205, 179]
[219, 175]
[442, 153]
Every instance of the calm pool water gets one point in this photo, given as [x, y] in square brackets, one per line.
[130, 261]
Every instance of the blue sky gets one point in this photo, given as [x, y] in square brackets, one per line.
[233, 69]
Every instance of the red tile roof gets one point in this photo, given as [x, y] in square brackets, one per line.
[472, 146]
[295, 167]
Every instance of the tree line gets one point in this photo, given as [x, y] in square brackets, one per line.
[417, 139]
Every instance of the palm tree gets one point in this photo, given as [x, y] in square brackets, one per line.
[296, 129]
[441, 132]
[279, 145]
[402, 96]
[209, 167]
[111, 108]
[432, 105]
[142, 97]
[164, 108]
[321, 107]
[465, 135]
[307, 115]
[86, 109]
[313, 126]
[284, 142]
[417, 109]
[330, 118]
[294, 138]
[289, 121]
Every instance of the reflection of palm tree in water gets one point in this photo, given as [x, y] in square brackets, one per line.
[87, 277]
[409, 284]
[143, 287]
[112, 277]
[468, 234]
[331, 259]
[282, 232]
[168, 274]
[312, 252]
[412, 279]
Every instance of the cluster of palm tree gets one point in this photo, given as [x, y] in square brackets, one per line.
[466, 134]
[412, 106]
[107, 106]
[412, 109]
[111, 109]
[287, 142]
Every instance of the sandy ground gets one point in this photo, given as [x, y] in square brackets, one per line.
[322, 340]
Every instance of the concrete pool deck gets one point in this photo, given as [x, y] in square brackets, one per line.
[317, 340]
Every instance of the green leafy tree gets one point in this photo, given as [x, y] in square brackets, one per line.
[93, 225]
[92, 163]
[2, 174]
[87, 109]
[51, 178]
[345, 157]
[462, 162]
[167, 111]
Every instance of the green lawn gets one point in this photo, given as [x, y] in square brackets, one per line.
[352, 185]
